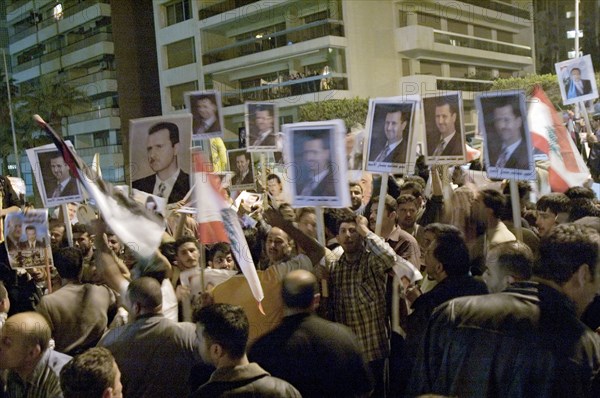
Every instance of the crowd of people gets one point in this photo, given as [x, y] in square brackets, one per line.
[437, 295]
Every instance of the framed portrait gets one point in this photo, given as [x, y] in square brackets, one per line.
[242, 166]
[390, 138]
[262, 126]
[315, 154]
[207, 113]
[576, 80]
[54, 179]
[444, 129]
[159, 155]
[507, 143]
[27, 239]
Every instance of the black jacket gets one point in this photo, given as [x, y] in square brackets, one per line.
[524, 342]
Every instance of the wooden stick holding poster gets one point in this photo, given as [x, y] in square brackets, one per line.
[322, 242]
[67, 220]
[381, 203]
[516, 209]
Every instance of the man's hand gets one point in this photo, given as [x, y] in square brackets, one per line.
[274, 218]
[362, 226]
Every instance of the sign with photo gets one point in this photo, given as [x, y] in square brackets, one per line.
[159, 154]
[262, 127]
[576, 80]
[27, 239]
[207, 113]
[390, 124]
[444, 129]
[54, 180]
[315, 154]
[242, 166]
[507, 142]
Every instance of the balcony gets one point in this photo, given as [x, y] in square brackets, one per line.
[503, 7]
[93, 115]
[94, 77]
[423, 42]
[328, 27]
[220, 8]
[430, 84]
[289, 88]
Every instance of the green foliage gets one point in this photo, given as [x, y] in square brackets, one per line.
[351, 111]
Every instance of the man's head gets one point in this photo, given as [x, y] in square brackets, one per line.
[220, 257]
[576, 74]
[187, 253]
[93, 373]
[415, 189]
[389, 213]
[447, 255]
[356, 195]
[488, 203]
[507, 121]
[162, 146]
[4, 300]
[57, 234]
[407, 211]
[59, 168]
[264, 118]
[507, 263]
[114, 243]
[205, 106]
[274, 185]
[552, 209]
[316, 152]
[24, 339]
[445, 117]
[144, 296]
[348, 236]
[569, 257]
[300, 291]
[242, 162]
[278, 245]
[82, 238]
[223, 330]
[307, 221]
[395, 123]
[31, 233]
[15, 228]
[68, 262]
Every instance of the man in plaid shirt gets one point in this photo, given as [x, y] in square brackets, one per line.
[357, 283]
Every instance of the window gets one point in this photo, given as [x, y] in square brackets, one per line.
[178, 11]
[429, 20]
[405, 67]
[181, 53]
[403, 20]
[483, 32]
[177, 93]
[458, 27]
[460, 71]
[101, 139]
[502, 35]
[431, 68]
[84, 141]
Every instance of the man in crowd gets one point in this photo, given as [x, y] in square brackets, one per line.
[92, 374]
[58, 234]
[357, 286]
[168, 180]
[408, 210]
[525, 341]
[65, 185]
[446, 141]
[77, 312]
[356, 198]
[552, 209]
[320, 358]
[33, 367]
[317, 158]
[507, 263]
[223, 330]
[83, 240]
[396, 144]
[154, 354]
[243, 176]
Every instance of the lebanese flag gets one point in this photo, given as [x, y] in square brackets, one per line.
[129, 220]
[549, 135]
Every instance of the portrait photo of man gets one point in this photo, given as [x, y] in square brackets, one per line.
[576, 80]
[443, 126]
[389, 140]
[240, 162]
[206, 116]
[317, 177]
[506, 136]
[13, 233]
[261, 126]
[158, 144]
[31, 242]
[64, 184]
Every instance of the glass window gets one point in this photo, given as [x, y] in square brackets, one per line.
[507, 37]
[431, 68]
[181, 53]
[429, 20]
[483, 32]
[460, 71]
[177, 93]
[101, 138]
[403, 21]
[458, 27]
[84, 140]
[405, 67]
[178, 11]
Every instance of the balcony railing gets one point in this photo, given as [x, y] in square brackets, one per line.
[457, 84]
[93, 115]
[224, 6]
[313, 30]
[459, 40]
[514, 10]
[94, 77]
[308, 85]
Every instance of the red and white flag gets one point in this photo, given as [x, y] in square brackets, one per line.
[218, 223]
[567, 168]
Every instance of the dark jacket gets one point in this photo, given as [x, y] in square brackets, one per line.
[523, 342]
[245, 381]
[180, 189]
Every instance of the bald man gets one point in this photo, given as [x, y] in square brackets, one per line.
[320, 358]
[33, 367]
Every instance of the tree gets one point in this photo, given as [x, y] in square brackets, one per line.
[351, 111]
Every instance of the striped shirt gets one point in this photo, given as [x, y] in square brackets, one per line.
[43, 381]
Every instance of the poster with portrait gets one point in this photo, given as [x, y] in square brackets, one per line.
[315, 155]
[151, 202]
[242, 166]
[576, 80]
[207, 113]
[444, 129]
[390, 138]
[159, 155]
[53, 177]
[506, 138]
[262, 126]
[27, 239]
